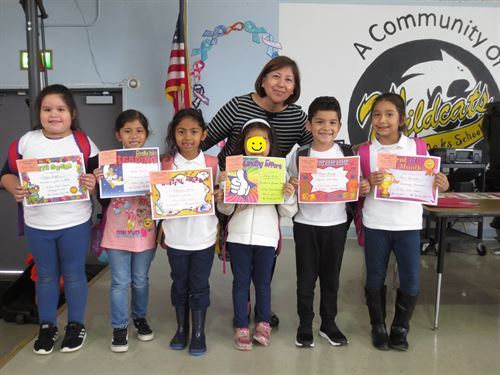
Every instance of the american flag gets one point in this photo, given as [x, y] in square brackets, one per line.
[177, 87]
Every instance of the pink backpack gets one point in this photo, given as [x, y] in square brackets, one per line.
[364, 155]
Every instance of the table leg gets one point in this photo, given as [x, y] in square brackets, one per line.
[441, 222]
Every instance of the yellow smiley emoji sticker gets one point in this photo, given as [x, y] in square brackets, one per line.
[256, 144]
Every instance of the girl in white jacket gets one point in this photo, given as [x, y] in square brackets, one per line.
[253, 236]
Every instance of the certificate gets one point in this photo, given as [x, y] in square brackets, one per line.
[53, 180]
[126, 171]
[254, 180]
[408, 178]
[328, 180]
[181, 193]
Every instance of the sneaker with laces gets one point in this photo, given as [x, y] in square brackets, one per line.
[275, 321]
[262, 333]
[74, 337]
[333, 335]
[144, 332]
[119, 343]
[242, 339]
[304, 338]
[47, 336]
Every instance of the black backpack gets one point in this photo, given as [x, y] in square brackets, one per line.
[491, 128]
[18, 302]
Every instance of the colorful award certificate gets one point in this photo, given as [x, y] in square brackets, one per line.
[126, 171]
[53, 180]
[181, 193]
[254, 180]
[328, 180]
[408, 178]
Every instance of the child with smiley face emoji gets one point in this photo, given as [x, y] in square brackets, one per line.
[253, 236]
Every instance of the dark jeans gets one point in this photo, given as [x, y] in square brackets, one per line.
[251, 263]
[318, 253]
[406, 247]
[190, 270]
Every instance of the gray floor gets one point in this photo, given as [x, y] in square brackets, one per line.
[467, 342]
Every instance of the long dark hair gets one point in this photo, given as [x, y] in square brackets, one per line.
[131, 115]
[68, 99]
[239, 149]
[195, 114]
[400, 105]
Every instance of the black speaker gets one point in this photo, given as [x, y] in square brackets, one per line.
[491, 128]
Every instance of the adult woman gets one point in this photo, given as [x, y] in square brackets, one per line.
[277, 88]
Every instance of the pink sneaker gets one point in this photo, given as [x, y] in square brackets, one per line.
[262, 333]
[242, 340]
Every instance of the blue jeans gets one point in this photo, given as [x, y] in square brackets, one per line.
[59, 253]
[190, 271]
[406, 247]
[251, 263]
[129, 270]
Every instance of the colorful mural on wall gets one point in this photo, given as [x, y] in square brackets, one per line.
[259, 35]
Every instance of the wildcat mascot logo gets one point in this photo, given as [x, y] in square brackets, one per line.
[446, 90]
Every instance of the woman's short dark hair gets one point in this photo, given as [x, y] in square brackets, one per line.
[275, 64]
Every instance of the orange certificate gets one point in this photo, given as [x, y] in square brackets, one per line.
[328, 180]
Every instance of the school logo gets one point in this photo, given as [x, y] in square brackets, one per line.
[446, 89]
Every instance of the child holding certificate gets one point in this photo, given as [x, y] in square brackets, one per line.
[391, 226]
[58, 234]
[190, 241]
[319, 231]
[253, 235]
[130, 242]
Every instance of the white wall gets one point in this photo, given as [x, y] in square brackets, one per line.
[132, 39]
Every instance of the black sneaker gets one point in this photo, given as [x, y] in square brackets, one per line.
[333, 334]
[74, 337]
[47, 336]
[275, 321]
[304, 338]
[119, 343]
[144, 332]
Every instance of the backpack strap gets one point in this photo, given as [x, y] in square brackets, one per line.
[13, 155]
[304, 150]
[364, 155]
[83, 144]
[346, 149]
[167, 163]
[213, 163]
[421, 146]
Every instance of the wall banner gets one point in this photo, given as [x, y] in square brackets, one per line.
[444, 60]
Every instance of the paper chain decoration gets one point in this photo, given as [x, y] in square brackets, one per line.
[259, 34]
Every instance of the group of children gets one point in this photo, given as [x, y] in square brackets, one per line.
[252, 232]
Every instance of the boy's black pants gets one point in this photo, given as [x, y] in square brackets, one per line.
[318, 253]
